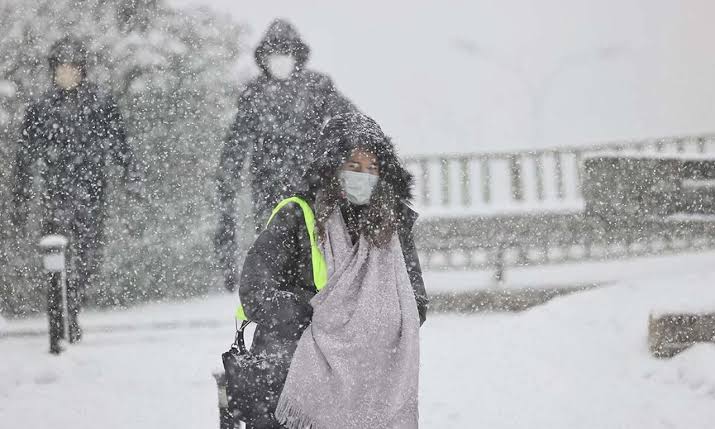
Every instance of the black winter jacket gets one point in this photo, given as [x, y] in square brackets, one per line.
[277, 280]
[272, 129]
[73, 133]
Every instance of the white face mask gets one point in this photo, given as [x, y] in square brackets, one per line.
[358, 186]
[281, 66]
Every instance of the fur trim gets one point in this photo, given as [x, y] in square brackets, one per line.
[347, 132]
[384, 215]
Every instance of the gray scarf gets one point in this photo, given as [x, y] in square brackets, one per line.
[357, 364]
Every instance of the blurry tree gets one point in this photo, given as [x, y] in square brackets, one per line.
[173, 74]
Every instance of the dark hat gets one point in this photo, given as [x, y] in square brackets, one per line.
[68, 50]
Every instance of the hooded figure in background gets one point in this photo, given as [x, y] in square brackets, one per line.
[278, 112]
[71, 131]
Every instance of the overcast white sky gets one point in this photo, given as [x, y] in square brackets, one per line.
[457, 76]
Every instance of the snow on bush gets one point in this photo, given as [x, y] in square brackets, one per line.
[173, 75]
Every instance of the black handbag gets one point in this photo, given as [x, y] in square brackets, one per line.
[253, 382]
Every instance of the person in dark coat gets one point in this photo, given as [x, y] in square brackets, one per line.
[71, 130]
[277, 278]
[277, 113]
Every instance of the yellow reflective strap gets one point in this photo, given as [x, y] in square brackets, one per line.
[240, 314]
[320, 268]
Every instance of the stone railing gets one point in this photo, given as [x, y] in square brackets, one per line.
[542, 180]
[495, 210]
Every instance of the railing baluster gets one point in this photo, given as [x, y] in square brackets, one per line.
[680, 145]
[701, 145]
[559, 171]
[424, 167]
[445, 181]
[578, 159]
[486, 180]
[517, 191]
[466, 182]
[659, 146]
[539, 175]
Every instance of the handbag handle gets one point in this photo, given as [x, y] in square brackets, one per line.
[239, 343]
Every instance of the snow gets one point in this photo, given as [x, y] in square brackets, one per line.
[533, 208]
[652, 154]
[692, 294]
[573, 274]
[451, 77]
[7, 89]
[208, 312]
[53, 242]
[698, 183]
[693, 368]
[685, 217]
[580, 361]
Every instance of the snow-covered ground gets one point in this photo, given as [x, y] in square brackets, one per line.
[580, 361]
[574, 274]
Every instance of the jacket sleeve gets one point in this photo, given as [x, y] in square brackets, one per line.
[265, 297]
[26, 155]
[414, 271]
[235, 151]
[115, 132]
[228, 178]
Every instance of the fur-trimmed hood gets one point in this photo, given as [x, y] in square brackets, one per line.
[282, 38]
[347, 132]
[388, 210]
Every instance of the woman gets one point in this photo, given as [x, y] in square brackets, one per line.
[357, 361]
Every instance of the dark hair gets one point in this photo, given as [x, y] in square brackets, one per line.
[68, 50]
[339, 138]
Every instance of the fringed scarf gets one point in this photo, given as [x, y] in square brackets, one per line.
[357, 364]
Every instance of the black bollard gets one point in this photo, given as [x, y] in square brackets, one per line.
[55, 312]
[53, 260]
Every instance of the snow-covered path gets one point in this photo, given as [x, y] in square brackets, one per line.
[578, 362]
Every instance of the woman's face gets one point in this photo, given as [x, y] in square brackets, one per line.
[68, 76]
[362, 161]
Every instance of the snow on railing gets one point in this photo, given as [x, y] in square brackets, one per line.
[521, 181]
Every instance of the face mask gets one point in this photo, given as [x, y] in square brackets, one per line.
[358, 186]
[68, 76]
[281, 66]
